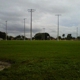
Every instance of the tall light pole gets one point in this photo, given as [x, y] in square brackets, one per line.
[77, 33]
[31, 10]
[58, 27]
[6, 30]
[24, 29]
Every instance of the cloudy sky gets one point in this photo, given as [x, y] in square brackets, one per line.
[44, 19]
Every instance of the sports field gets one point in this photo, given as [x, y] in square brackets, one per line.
[40, 60]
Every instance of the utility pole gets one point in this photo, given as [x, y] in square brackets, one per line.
[77, 33]
[6, 30]
[58, 27]
[31, 10]
[24, 29]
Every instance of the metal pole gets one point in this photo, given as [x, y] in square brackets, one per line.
[31, 10]
[31, 25]
[58, 27]
[77, 33]
[6, 30]
[24, 29]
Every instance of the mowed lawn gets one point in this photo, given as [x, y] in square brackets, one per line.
[40, 60]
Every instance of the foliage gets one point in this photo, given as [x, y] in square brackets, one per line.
[59, 37]
[78, 37]
[69, 37]
[2, 35]
[42, 36]
[20, 37]
[41, 60]
[63, 35]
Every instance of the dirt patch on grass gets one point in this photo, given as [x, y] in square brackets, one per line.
[4, 65]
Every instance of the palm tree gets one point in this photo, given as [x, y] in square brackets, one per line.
[63, 36]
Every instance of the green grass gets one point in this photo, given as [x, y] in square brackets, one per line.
[41, 60]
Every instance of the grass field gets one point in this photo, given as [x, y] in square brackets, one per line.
[40, 60]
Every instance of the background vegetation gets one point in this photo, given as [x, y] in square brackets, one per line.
[38, 36]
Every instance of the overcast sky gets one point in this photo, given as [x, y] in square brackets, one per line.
[14, 12]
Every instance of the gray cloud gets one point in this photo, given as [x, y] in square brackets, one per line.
[14, 11]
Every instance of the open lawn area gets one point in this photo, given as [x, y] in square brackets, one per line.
[40, 60]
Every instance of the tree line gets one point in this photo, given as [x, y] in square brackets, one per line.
[38, 36]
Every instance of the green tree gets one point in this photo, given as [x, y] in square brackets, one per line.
[69, 37]
[42, 36]
[2, 35]
[63, 35]
[59, 37]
